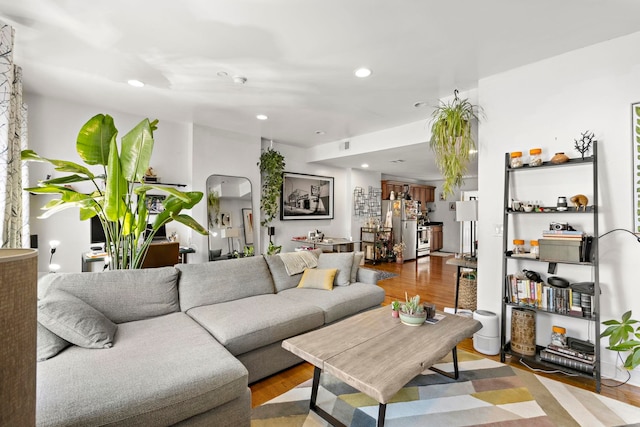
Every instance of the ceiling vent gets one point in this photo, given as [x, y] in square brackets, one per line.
[344, 145]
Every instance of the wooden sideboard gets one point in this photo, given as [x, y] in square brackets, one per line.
[423, 193]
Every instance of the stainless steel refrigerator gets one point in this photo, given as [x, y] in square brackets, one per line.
[403, 216]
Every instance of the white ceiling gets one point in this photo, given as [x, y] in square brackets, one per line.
[298, 57]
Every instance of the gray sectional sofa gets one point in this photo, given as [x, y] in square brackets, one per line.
[186, 341]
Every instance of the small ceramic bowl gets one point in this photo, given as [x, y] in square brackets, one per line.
[528, 208]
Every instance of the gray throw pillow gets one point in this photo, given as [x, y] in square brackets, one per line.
[49, 344]
[357, 259]
[75, 321]
[343, 261]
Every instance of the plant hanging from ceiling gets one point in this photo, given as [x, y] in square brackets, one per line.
[452, 141]
[271, 167]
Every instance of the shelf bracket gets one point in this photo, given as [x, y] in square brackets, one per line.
[553, 266]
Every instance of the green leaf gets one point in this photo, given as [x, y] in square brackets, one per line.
[191, 223]
[116, 188]
[94, 139]
[67, 179]
[137, 146]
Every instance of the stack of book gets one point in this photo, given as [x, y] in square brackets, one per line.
[568, 357]
[529, 293]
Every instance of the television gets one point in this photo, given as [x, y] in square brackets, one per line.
[97, 232]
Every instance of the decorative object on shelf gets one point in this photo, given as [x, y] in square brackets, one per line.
[306, 196]
[271, 167]
[392, 195]
[584, 143]
[535, 157]
[155, 203]
[562, 203]
[516, 159]
[273, 249]
[150, 175]
[452, 141]
[523, 331]
[559, 158]
[121, 206]
[395, 309]
[623, 336]
[412, 312]
[580, 201]
[367, 204]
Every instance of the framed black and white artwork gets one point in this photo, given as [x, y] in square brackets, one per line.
[306, 196]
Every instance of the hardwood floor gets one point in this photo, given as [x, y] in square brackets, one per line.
[434, 280]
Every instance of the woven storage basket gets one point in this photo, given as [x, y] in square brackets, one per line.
[468, 292]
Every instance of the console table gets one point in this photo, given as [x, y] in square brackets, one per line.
[332, 244]
[88, 258]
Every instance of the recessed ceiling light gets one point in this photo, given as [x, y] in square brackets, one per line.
[135, 83]
[420, 104]
[262, 117]
[362, 72]
[364, 165]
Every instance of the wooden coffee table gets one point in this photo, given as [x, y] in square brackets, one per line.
[376, 354]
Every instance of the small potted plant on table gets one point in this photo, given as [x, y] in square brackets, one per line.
[395, 309]
[412, 312]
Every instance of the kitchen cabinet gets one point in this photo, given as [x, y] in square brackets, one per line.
[436, 237]
[422, 193]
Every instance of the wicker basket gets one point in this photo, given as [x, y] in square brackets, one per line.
[468, 292]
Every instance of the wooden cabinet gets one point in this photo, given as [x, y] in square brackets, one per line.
[436, 237]
[423, 193]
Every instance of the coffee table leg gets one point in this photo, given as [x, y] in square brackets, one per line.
[456, 372]
[315, 408]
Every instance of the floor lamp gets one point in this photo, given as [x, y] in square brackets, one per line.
[230, 233]
[467, 210]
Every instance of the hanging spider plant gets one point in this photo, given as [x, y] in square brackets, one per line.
[451, 140]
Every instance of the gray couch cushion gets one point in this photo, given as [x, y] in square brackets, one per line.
[221, 281]
[160, 371]
[49, 344]
[281, 278]
[341, 302]
[121, 295]
[343, 261]
[74, 320]
[254, 322]
[357, 260]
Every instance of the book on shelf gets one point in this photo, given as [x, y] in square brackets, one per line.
[569, 352]
[563, 233]
[582, 366]
[529, 293]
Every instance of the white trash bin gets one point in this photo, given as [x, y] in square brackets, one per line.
[487, 339]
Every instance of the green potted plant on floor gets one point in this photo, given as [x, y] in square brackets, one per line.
[119, 194]
[452, 141]
[624, 335]
[398, 250]
[412, 312]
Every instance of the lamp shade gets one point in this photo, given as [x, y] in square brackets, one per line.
[230, 232]
[467, 210]
[18, 305]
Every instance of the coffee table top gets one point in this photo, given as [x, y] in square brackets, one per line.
[375, 353]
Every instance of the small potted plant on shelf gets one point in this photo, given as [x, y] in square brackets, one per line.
[395, 309]
[624, 335]
[398, 249]
[412, 312]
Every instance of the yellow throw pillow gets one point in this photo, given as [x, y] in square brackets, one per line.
[318, 278]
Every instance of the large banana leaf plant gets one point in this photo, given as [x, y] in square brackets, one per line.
[119, 194]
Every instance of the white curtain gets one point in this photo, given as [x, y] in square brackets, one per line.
[14, 206]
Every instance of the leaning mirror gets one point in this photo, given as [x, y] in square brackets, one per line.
[229, 217]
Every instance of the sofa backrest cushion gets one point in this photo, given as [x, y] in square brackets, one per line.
[220, 281]
[281, 278]
[121, 295]
[343, 261]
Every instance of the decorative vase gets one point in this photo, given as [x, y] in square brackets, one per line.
[413, 319]
[399, 259]
[559, 158]
[395, 313]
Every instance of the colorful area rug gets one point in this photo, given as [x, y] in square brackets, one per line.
[487, 393]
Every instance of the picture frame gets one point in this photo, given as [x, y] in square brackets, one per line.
[247, 222]
[305, 196]
[635, 154]
[155, 203]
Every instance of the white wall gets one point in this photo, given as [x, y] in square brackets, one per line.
[548, 104]
[53, 128]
